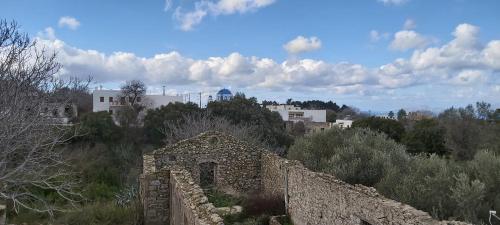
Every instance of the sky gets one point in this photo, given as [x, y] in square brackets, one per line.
[376, 55]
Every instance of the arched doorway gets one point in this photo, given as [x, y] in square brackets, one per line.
[207, 174]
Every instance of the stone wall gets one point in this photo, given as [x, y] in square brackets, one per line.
[321, 199]
[171, 193]
[189, 205]
[237, 163]
[3, 214]
[155, 192]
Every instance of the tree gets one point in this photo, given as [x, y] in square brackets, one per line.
[357, 156]
[401, 115]
[195, 124]
[484, 111]
[246, 111]
[156, 120]
[133, 91]
[463, 133]
[391, 114]
[133, 101]
[331, 116]
[393, 129]
[298, 129]
[99, 126]
[31, 162]
[426, 136]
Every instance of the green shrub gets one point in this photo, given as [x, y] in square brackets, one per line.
[357, 156]
[221, 199]
[392, 128]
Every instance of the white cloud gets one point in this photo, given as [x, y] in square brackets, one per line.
[393, 2]
[168, 5]
[467, 77]
[48, 33]
[462, 61]
[302, 44]
[410, 24]
[492, 54]
[190, 19]
[376, 36]
[203, 8]
[409, 39]
[69, 22]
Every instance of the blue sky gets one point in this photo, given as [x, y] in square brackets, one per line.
[374, 54]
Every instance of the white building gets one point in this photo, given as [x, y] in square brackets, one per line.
[342, 124]
[104, 100]
[295, 114]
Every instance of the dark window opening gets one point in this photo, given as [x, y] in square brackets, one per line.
[364, 223]
[101, 99]
[110, 99]
[207, 174]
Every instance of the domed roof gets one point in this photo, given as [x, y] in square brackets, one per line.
[224, 91]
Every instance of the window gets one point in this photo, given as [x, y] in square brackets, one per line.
[110, 111]
[122, 100]
[293, 115]
[138, 99]
[207, 174]
[364, 223]
[101, 99]
[110, 99]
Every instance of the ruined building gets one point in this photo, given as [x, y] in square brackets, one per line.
[171, 192]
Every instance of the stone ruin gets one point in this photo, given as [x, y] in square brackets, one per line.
[171, 191]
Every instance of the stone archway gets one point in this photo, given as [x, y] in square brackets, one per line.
[208, 172]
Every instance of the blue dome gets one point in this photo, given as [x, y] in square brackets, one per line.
[224, 91]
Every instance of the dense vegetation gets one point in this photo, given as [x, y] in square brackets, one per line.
[448, 166]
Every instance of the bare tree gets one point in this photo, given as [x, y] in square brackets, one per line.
[30, 160]
[195, 124]
[132, 103]
[134, 90]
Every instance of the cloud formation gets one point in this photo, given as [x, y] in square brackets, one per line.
[69, 22]
[409, 39]
[302, 44]
[188, 20]
[463, 61]
[376, 36]
[410, 24]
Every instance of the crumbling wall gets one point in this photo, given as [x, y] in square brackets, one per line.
[189, 205]
[321, 199]
[237, 163]
[154, 192]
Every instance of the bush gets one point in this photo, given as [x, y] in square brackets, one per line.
[447, 189]
[99, 126]
[392, 128]
[426, 136]
[357, 156]
[221, 199]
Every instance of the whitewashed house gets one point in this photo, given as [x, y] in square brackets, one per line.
[106, 100]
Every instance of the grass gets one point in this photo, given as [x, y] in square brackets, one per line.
[221, 199]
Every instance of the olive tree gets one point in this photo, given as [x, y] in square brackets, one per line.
[30, 161]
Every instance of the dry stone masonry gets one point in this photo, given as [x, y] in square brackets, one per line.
[171, 192]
